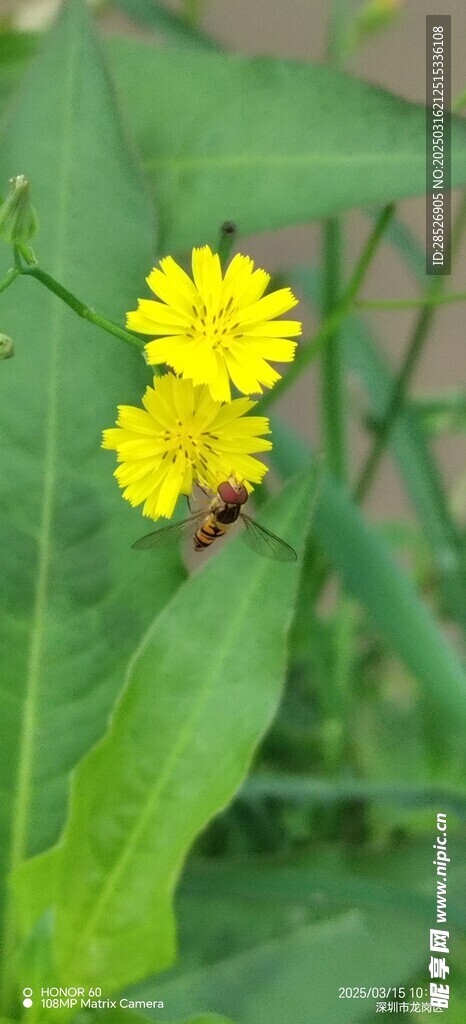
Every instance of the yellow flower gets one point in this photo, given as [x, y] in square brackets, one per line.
[216, 328]
[183, 436]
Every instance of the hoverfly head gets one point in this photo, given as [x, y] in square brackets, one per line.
[232, 492]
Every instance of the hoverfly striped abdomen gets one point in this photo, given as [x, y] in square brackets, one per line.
[207, 532]
[215, 525]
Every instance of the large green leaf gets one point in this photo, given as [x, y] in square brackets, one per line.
[266, 142]
[200, 693]
[74, 598]
[298, 976]
[262, 141]
[16, 48]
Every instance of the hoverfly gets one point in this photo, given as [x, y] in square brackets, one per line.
[209, 524]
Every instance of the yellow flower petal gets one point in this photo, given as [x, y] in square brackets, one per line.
[207, 274]
[274, 329]
[280, 350]
[269, 307]
[173, 286]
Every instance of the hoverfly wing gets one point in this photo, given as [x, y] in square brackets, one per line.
[265, 543]
[171, 534]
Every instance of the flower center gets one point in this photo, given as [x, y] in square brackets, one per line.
[184, 441]
[219, 328]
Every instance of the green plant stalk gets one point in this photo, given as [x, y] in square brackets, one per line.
[459, 103]
[398, 396]
[192, 12]
[429, 300]
[332, 372]
[80, 307]
[333, 398]
[308, 353]
[410, 361]
[337, 38]
[451, 402]
[226, 241]
[86, 312]
[336, 735]
[11, 276]
[176, 29]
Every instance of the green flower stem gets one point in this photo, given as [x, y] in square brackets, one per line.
[333, 397]
[307, 353]
[192, 12]
[338, 32]
[459, 103]
[332, 372]
[397, 399]
[11, 276]
[400, 388]
[428, 300]
[33, 270]
[227, 238]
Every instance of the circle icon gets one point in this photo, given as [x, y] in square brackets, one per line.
[27, 991]
[27, 1003]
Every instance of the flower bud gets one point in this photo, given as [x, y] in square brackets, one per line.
[7, 349]
[18, 221]
[374, 16]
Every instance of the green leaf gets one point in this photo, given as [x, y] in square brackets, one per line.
[16, 48]
[117, 1015]
[302, 789]
[242, 145]
[297, 977]
[74, 598]
[442, 414]
[362, 559]
[122, 1014]
[35, 964]
[173, 27]
[232, 907]
[204, 1018]
[300, 884]
[266, 142]
[405, 243]
[201, 691]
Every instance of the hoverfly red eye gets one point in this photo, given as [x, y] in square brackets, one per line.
[232, 495]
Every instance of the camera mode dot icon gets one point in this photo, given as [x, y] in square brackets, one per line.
[27, 1002]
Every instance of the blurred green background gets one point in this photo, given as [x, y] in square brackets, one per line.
[301, 749]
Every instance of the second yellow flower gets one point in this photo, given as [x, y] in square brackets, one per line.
[216, 328]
